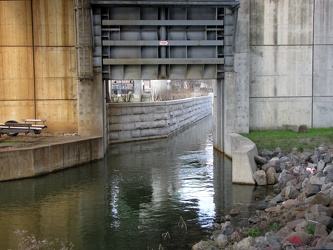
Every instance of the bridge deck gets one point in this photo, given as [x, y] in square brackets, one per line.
[162, 39]
[227, 3]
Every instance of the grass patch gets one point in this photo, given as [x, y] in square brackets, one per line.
[310, 229]
[273, 227]
[253, 232]
[7, 142]
[287, 140]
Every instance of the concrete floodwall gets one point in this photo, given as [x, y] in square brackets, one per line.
[39, 160]
[149, 120]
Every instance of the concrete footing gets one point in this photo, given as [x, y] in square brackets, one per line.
[242, 152]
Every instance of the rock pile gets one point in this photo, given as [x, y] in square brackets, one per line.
[299, 216]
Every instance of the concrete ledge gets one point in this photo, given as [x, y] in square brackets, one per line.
[39, 160]
[242, 152]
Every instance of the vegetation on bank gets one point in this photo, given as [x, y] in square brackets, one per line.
[288, 140]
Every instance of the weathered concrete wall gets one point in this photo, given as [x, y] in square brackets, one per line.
[91, 97]
[283, 67]
[231, 94]
[30, 162]
[284, 55]
[38, 66]
[91, 106]
[286, 47]
[149, 120]
[323, 64]
[281, 35]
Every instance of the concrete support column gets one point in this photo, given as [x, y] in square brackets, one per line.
[236, 108]
[230, 110]
[91, 90]
[137, 90]
[163, 36]
[90, 106]
[218, 115]
[241, 77]
[231, 94]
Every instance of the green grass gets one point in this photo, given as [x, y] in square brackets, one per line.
[253, 232]
[287, 140]
[310, 228]
[273, 227]
[7, 142]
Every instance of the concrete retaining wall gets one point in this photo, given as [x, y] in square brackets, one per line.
[141, 121]
[30, 162]
[129, 121]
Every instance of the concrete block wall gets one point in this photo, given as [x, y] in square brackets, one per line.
[288, 49]
[148, 120]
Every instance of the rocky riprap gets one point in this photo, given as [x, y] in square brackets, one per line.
[298, 216]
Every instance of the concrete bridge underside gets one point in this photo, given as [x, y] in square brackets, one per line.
[57, 55]
[273, 68]
[154, 40]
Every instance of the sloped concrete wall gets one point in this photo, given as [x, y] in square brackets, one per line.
[149, 120]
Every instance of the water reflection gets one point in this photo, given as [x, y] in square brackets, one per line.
[140, 196]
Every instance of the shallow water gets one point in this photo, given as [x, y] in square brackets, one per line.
[144, 195]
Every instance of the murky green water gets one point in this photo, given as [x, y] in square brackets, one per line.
[144, 195]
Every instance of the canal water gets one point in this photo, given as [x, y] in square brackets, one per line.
[159, 194]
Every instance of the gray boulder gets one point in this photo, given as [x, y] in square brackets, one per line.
[321, 165]
[311, 190]
[273, 240]
[260, 177]
[328, 168]
[318, 179]
[227, 228]
[245, 243]
[284, 177]
[221, 240]
[271, 176]
[321, 198]
[260, 160]
[260, 242]
[290, 192]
